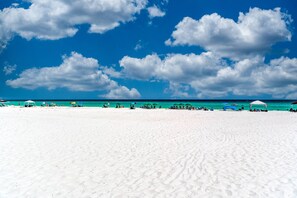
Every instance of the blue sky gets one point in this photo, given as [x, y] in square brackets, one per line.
[148, 49]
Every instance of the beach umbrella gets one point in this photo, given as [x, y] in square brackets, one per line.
[188, 106]
[106, 104]
[181, 105]
[294, 102]
[147, 105]
[73, 104]
[2, 100]
[132, 105]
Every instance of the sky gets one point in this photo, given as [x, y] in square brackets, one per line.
[148, 49]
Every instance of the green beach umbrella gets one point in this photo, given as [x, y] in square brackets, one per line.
[106, 104]
[181, 105]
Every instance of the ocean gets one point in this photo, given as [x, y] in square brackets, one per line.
[272, 105]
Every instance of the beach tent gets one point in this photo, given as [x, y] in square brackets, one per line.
[234, 108]
[29, 103]
[258, 102]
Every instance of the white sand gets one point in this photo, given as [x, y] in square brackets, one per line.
[92, 152]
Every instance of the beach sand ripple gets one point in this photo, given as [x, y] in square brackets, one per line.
[91, 152]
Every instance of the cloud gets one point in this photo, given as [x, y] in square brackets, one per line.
[138, 46]
[141, 69]
[5, 35]
[110, 71]
[235, 78]
[9, 69]
[278, 77]
[253, 34]
[76, 73]
[55, 19]
[178, 90]
[174, 67]
[251, 77]
[154, 11]
[210, 76]
[292, 96]
[122, 92]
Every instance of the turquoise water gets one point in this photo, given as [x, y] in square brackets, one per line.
[272, 105]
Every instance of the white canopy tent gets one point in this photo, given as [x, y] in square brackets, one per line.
[258, 102]
[29, 103]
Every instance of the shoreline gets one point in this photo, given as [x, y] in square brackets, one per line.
[139, 108]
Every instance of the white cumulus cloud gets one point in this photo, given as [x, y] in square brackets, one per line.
[55, 19]
[76, 73]
[211, 76]
[141, 69]
[154, 11]
[251, 77]
[122, 92]
[253, 33]
[174, 67]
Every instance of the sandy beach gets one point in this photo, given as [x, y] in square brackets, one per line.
[95, 152]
